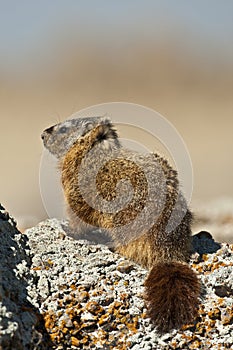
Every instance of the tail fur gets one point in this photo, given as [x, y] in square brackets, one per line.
[172, 291]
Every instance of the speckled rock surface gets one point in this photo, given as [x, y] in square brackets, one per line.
[20, 321]
[90, 298]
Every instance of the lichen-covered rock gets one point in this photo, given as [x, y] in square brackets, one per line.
[90, 298]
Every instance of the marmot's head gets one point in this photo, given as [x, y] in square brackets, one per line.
[59, 138]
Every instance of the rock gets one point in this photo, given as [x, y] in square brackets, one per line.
[125, 266]
[70, 294]
[19, 317]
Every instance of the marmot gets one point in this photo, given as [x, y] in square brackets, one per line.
[135, 197]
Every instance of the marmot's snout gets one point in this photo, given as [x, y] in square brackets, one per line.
[47, 131]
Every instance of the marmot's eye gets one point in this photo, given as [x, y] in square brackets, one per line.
[63, 129]
[88, 126]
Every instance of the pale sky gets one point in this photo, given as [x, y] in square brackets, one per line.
[28, 26]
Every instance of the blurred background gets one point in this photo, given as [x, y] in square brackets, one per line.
[57, 57]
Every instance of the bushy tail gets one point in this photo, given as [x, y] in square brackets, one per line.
[172, 291]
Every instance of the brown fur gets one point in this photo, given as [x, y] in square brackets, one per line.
[172, 291]
[171, 288]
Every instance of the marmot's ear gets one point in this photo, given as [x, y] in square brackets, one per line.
[49, 130]
[106, 132]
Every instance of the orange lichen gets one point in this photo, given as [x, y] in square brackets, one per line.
[227, 316]
[94, 308]
[134, 325]
[75, 341]
[221, 302]
[205, 257]
[201, 310]
[195, 344]
[124, 296]
[73, 286]
[104, 319]
[50, 319]
[215, 314]
[83, 296]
